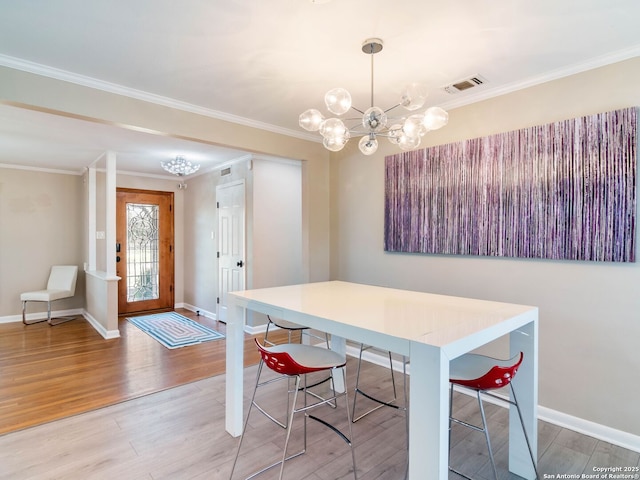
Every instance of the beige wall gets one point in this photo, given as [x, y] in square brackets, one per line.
[41, 223]
[589, 312]
[277, 224]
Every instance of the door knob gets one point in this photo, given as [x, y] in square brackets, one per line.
[240, 263]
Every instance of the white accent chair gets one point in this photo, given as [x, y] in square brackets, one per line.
[61, 284]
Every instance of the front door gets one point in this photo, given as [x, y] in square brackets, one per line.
[144, 250]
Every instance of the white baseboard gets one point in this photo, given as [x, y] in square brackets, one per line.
[42, 315]
[199, 311]
[592, 429]
[106, 334]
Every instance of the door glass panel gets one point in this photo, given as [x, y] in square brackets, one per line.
[142, 252]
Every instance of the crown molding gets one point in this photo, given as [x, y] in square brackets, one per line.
[41, 169]
[566, 71]
[82, 80]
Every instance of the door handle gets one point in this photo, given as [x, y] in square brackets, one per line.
[240, 264]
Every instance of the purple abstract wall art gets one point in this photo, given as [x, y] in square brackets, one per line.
[564, 191]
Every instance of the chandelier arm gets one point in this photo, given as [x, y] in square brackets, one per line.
[357, 110]
[391, 108]
[369, 132]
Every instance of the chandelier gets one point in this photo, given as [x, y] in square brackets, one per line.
[180, 166]
[404, 130]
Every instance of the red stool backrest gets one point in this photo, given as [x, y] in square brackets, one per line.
[497, 377]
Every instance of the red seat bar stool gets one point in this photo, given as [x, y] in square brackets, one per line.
[291, 328]
[296, 360]
[483, 374]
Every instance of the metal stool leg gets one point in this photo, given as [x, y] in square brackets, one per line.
[381, 403]
[474, 427]
[246, 422]
[486, 436]
[485, 430]
[524, 430]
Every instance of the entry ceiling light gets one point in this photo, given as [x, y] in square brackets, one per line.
[404, 131]
[180, 166]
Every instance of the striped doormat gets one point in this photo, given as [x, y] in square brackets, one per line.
[174, 330]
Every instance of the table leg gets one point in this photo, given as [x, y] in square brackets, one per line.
[525, 383]
[428, 413]
[234, 368]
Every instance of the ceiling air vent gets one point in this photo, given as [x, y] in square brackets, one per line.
[225, 171]
[465, 84]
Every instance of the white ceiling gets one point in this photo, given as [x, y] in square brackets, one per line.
[264, 62]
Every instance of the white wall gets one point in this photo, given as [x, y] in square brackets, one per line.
[589, 312]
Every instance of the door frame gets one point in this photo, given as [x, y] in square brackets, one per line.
[166, 247]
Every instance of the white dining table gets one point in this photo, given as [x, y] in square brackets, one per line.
[428, 328]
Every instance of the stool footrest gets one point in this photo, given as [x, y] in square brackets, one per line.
[290, 457]
[328, 425]
[381, 402]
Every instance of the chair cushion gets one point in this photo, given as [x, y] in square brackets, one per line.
[45, 295]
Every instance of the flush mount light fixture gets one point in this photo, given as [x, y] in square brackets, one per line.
[180, 166]
[404, 131]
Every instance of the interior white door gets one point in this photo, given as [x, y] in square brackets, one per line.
[231, 243]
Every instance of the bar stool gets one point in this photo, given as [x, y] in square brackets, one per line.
[296, 360]
[483, 374]
[291, 328]
[381, 403]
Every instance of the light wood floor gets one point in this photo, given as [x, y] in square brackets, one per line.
[178, 433]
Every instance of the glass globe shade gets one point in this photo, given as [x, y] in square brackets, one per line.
[374, 119]
[435, 118]
[394, 134]
[413, 96]
[368, 144]
[413, 126]
[335, 144]
[333, 128]
[310, 120]
[409, 143]
[338, 101]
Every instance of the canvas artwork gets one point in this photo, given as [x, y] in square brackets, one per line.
[565, 191]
